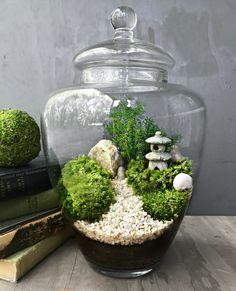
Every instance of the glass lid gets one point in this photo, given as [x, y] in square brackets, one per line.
[124, 49]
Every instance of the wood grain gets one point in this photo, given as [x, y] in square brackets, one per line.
[202, 257]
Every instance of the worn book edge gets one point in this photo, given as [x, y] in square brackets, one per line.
[45, 223]
[13, 223]
[15, 266]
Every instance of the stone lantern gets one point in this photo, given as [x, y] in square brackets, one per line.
[158, 157]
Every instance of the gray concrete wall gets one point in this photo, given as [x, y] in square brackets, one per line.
[38, 39]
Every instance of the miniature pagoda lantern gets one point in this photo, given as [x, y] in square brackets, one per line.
[158, 157]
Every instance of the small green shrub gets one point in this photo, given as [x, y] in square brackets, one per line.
[128, 128]
[85, 190]
[155, 187]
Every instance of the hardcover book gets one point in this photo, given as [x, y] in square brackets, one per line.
[30, 233]
[15, 266]
[23, 205]
[30, 179]
[13, 223]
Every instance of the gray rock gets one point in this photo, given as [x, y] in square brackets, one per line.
[176, 154]
[121, 162]
[107, 155]
[121, 173]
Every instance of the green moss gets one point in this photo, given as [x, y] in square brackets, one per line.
[146, 180]
[165, 205]
[65, 200]
[19, 138]
[85, 189]
[155, 187]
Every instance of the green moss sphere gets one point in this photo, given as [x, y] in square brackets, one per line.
[19, 138]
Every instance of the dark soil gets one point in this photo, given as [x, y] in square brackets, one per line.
[134, 257]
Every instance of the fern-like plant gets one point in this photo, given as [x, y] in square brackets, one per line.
[128, 127]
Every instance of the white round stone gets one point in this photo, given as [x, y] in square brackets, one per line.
[182, 182]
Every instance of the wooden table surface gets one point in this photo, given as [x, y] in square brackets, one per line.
[202, 257]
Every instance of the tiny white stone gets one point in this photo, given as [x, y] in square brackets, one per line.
[183, 182]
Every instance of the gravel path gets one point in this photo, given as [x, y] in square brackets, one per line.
[126, 222]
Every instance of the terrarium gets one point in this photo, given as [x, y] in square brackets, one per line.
[123, 147]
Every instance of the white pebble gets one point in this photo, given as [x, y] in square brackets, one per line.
[183, 182]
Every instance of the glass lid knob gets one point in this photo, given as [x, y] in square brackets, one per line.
[124, 17]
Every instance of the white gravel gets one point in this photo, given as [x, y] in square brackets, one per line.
[126, 222]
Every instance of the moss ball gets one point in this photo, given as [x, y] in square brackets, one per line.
[19, 138]
[85, 190]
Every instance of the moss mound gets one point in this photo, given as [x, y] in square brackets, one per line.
[155, 187]
[165, 205]
[85, 189]
[19, 138]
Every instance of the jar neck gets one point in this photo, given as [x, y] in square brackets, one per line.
[123, 35]
[125, 76]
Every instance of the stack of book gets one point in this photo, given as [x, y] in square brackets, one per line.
[31, 225]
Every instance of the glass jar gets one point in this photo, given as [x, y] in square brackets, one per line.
[120, 149]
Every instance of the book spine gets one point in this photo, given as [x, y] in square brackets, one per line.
[24, 205]
[31, 233]
[26, 182]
